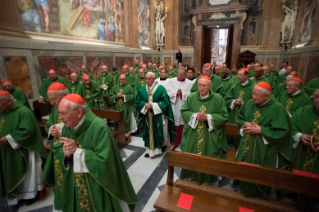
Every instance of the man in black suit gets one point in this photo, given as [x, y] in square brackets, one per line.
[179, 56]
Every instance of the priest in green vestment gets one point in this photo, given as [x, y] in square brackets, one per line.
[266, 136]
[226, 80]
[270, 77]
[115, 77]
[129, 77]
[74, 83]
[122, 96]
[83, 71]
[233, 73]
[282, 77]
[149, 66]
[312, 86]
[175, 67]
[52, 77]
[259, 75]
[85, 166]
[216, 80]
[153, 105]
[15, 92]
[281, 87]
[139, 81]
[136, 66]
[21, 150]
[251, 71]
[171, 72]
[217, 71]
[132, 71]
[104, 80]
[90, 92]
[274, 72]
[204, 114]
[155, 71]
[305, 130]
[236, 96]
[294, 97]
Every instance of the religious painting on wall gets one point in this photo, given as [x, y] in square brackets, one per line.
[92, 19]
[188, 5]
[187, 60]
[18, 73]
[308, 16]
[63, 66]
[313, 64]
[95, 64]
[120, 61]
[147, 59]
[168, 61]
[144, 22]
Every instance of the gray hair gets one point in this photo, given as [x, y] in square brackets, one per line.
[152, 74]
[265, 91]
[62, 92]
[75, 106]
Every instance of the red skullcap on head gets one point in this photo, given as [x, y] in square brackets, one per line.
[74, 98]
[73, 73]
[4, 81]
[131, 67]
[261, 68]
[234, 66]
[297, 79]
[121, 75]
[56, 86]
[264, 85]
[227, 69]
[209, 64]
[245, 69]
[51, 70]
[85, 75]
[125, 65]
[83, 65]
[4, 93]
[205, 77]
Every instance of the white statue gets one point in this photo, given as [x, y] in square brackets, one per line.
[159, 27]
[288, 24]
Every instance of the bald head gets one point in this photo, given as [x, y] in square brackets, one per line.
[52, 74]
[7, 86]
[6, 102]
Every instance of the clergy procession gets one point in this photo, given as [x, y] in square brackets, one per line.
[166, 106]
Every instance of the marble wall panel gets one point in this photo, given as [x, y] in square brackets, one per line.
[187, 61]
[156, 60]
[168, 61]
[295, 63]
[147, 59]
[19, 74]
[95, 64]
[313, 65]
[120, 61]
[138, 58]
[302, 68]
[271, 61]
[62, 65]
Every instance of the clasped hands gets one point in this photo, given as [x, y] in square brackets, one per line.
[201, 116]
[179, 92]
[119, 95]
[55, 131]
[69, 146]
[252, 128]
[306, 140]
[238, 102]
[148, 106]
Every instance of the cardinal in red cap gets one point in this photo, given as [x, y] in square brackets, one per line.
[84, 70]
[89, 90]
[87, 147]
[15, 92]
[216, 80]
[294, 98]
[266, 136]
[52, 77]
[74, 83]
[104, 81]
[22, 151]
[259, 75]
[129, 77]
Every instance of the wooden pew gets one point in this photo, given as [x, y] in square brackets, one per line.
[119, 135]
[222, 199]
[231, 130]
[37, 108]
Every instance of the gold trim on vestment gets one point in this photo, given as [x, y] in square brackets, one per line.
[83, 192]
[289, 102]
[150, 118]
[200, 132]
[59, 173]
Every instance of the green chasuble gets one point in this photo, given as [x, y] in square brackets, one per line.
[80, 75]
[73, 87]
[120, 105]
[136, 69]
[227, 83]
[279, 89]
[271, 79]
[19, 122]
[107, 180]
[282, 78]
[53, 119]
[306, 121]
[46, 83]
[130, 79]
[105, 79]
[200, 140]
[93, 91]
[275, 74]
[233, 76]
[260, 79]
[115, 78]
[19, 95]
[157, 75]
[171, 74]
[275, 129]
[294, 102]
[251, 74]
[152, 124]
[216, 81]
[312, 86]
[138, 83]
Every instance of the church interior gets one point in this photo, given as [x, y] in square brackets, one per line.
[63, 36]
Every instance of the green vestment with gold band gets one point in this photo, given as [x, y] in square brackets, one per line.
[306, 121]
[107, 180]
[279, 89]
[115, 78]
[312, 86]
[105, 79]
[119, 105]
[73, 87]
[294, 102]
[138, 83]
[200, 140]
[216, 81]
[275, 128]
[152, 124]
[19, 122]
[136, 69]
[46, 83]
[227, 83]
[96, 100]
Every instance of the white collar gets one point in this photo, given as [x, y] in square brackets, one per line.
[226, 78]
[204, 97]
[265, 102]
[79, 124]
[296, 93]
[245, 83]
[73, 82]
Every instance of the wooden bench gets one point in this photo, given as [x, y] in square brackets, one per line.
[120, 136]
[39, 109]
[222, 199]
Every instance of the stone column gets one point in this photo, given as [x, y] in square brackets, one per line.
[198, 47]
[171, 25]
[130, 23]
[236, 43]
